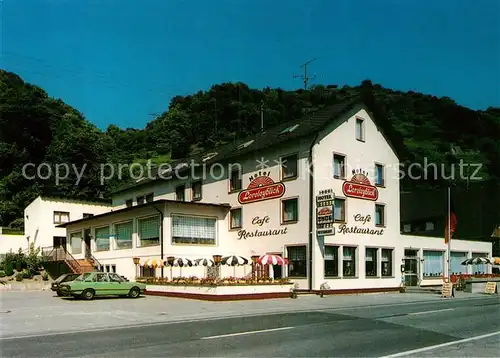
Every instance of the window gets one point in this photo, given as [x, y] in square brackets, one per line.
[349, 262]
[331, 261]
[433, 263]
[236, 219]
[102, 238]
[147, 271]
[339, 210]
[140, 200]
[61, 217]
[76, 243]
[386, 262]
[289, 166]
[297, 266]
[180, 193]
[407, 228]
[456, 259]
[123, 235]
[193, 230]
[150, 198]
[290, 210]
[479, 269]
[379, 175]
[149, 231]
[113, 277]
[360, 135]
[379, 215]
[235, 180]
[110, 268]
[371, 262]
[100, 277]
[339, 166]
[129, 203]
[86, 216]
[429, 226]
[196, 188]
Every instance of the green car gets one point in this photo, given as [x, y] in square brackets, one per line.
[91, 284]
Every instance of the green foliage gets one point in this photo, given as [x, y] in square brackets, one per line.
[19, 276]
[45, 276]
[9, 269]
[2, 273]
[35, 128]
[21, 262]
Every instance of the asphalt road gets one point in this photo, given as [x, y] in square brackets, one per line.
[350, 332]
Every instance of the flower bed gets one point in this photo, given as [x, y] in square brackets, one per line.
[212, 281]
[229, 288]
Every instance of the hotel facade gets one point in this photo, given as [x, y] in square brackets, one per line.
[322, 191]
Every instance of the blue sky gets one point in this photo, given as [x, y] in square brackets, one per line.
[118, 61]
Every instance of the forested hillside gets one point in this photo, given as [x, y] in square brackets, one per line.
[36, 128]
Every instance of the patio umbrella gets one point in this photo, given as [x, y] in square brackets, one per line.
[234, 260]
[477, 261]
[204, 262]
[272, 260]
[181, 262]
[154, 263]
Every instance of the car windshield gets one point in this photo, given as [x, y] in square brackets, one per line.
[83, 276]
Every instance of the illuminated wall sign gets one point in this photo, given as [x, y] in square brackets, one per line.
[360, 187]
[324, 212]
[260, 221]
[261, 187]
[362, 220]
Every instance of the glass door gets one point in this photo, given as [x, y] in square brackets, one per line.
[411, 271]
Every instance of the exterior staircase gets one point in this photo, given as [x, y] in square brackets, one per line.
[61, 261]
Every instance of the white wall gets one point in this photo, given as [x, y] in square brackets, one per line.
[340, 138]
[39, 217]
[12, 243]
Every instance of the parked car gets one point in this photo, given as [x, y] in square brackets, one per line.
[91, 284]
[66, 277]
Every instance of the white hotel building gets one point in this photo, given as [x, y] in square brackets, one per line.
[337, 157]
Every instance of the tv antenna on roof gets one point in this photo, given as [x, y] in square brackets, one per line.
[304, 77]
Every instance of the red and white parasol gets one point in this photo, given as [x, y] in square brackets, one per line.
[272, 260]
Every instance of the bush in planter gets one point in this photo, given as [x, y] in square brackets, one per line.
[9, 269]
[2, 273]
[19, 276]
[26, 274]
[45, 276]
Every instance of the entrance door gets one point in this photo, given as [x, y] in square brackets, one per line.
[411, 268]
[87, 240]
[59, 242]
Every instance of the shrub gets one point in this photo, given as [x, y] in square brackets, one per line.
[19, 276]
[9, 269]
[26, 274]
[19, 266]
[45, 276]
[2, 273]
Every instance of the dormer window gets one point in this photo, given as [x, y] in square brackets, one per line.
[246, 144]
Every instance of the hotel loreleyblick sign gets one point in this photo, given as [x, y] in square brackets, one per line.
[324, 212]
[360, 187]
[261, 187]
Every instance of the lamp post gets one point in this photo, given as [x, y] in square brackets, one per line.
[217, 260]
[136, 263]
[170, 260]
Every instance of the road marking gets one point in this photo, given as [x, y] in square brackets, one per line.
[246, 333]
[419, 350]
[433, 311]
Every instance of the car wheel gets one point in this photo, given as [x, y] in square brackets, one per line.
[88, 294]
[134, 292]
[60, 294]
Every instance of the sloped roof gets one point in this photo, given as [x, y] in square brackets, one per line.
[310, 124]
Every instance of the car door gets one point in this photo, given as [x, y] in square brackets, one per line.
[119, 287]
[101, 284]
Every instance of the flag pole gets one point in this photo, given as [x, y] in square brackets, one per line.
[449, 233]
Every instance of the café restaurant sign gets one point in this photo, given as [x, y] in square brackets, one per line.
[261, 187]
[258, 232]
[360, 220]
[360, 187]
